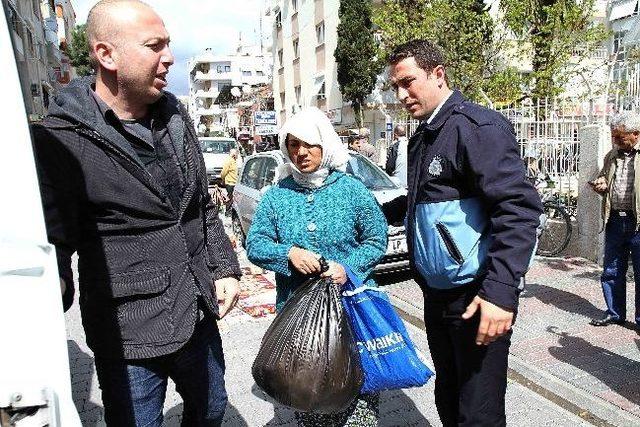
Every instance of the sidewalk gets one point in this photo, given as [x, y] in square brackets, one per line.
[242, 332]
[591, 371]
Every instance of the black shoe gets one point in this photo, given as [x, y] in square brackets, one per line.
[606, 320]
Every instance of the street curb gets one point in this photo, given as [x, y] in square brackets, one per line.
[591, 408]
[587, 403]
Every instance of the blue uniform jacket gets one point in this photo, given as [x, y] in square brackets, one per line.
[472, 215]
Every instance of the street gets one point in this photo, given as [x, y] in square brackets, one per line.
[248, 405]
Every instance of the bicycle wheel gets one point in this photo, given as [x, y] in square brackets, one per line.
[556, 233]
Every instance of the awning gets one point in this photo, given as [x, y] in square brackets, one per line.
[623, 9]
[622, 26]
[633, 33]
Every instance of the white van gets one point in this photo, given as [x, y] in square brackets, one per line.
[215, 150]
[35, 383]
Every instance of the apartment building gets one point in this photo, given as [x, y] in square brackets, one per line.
[305, 71]
[212, 81]
[624, 22]
[33, 29]
[66, 19]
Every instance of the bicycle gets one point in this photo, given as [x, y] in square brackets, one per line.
[554, 231]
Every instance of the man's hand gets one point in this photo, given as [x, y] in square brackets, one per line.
[494, 321]
[336, 273]
[227, 291]
[304, 261]
[599, 185]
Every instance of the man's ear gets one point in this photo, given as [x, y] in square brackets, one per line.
[104, 53]
[440, 74]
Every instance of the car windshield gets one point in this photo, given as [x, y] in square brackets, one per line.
[216, 146]
[370, 175]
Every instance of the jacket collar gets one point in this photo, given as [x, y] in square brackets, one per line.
[456, 98]
[77, 104]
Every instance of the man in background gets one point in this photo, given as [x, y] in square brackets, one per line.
[229, 176]
[618, 183]
[396, 165]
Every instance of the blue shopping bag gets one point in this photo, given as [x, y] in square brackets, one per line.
[388, 356]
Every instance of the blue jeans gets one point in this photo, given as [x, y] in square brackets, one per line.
[621, 240]
[133, 391]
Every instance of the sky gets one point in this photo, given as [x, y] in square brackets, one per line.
[195, 25]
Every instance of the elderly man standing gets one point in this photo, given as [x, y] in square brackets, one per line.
[619, 183]
[124, 185]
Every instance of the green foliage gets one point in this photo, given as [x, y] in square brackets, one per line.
[462, 28]
[79, 51]
[554, 30]
[356, 54]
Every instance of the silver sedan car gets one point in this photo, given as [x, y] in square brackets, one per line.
[260, 172]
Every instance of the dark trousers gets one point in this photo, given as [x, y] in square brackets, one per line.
[471, 380]
[230, 201]
[621, 240]
[133, 391]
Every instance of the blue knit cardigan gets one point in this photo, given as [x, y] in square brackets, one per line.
[341, 221]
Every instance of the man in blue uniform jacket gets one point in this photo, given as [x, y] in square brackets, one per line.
[471, 229]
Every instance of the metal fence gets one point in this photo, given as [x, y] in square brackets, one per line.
[548, 133]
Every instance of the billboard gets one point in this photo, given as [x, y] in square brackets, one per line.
[264, 118]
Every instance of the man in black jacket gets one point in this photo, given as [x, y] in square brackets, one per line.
[471, 230]
[124, 185]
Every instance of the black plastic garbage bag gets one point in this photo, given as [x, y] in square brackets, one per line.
[308, 359]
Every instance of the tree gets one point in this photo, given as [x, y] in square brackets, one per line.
[356, 54]
[554, 30]
[79, 51]
[464, 30]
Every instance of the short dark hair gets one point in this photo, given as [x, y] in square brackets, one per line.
[427, 54]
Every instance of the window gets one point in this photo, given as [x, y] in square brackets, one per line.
[36, 8]
[259, 73]
[320, 33]
[298, 90]
[30, 44]
[219, 68]
[246, 73]
[251, 173]
[321, 94]
[222, 85]
[280, 58]
[227, 68]
[268, 172]
[278, 20]
[294, 5]
[618, 45]
[14, 20]
[296, 50]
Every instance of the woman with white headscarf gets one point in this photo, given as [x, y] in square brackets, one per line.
[317, 210]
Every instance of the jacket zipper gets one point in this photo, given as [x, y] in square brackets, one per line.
[450, 244]
[149, 178]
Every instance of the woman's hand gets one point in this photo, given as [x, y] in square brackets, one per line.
[336, 273]
[304, 261]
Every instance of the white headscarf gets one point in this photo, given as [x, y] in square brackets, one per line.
[313, 127]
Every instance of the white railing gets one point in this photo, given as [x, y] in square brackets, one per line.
[548, 133]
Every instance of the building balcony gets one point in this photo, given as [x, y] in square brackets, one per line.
[214, 110]
[207, 93]
[212, 75]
